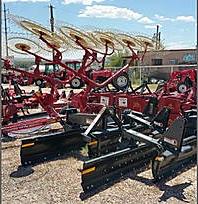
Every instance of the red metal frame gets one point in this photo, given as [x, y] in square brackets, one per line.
[89, 101]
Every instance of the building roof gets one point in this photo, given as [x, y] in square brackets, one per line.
[172, 50]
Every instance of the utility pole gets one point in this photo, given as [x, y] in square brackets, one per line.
[51, 18]
[157, 37]
[52, 28]
[6, 33]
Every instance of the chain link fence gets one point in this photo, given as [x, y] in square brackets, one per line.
[153, 74]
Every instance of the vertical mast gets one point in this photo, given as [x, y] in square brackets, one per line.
[51, 18]
[6, 33]
[52, 28]
[157, 37]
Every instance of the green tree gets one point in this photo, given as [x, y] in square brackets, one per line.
[115, 60]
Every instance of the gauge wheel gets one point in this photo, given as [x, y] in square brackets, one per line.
[40, 83]
[121, 82]
[181, 88]
[76, 83]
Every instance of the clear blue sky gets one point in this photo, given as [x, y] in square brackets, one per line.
[177, 18]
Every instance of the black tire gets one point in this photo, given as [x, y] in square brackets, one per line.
[121, 82]
[76, 83]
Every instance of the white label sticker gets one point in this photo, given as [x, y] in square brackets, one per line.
[104, 100]
[122, 102]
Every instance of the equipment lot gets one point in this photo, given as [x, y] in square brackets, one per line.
[59, 182]
[127, 135]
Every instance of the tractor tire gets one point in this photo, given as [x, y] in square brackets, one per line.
[76, 83]
[121, 82]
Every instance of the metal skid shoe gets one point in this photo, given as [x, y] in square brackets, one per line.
[180, 147]
[38, 149]
[173, 147]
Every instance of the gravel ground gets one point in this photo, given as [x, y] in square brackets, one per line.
[59, 182]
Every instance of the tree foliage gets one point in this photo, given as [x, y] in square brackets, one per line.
[24, 63]
[115, 60]
[118, 59]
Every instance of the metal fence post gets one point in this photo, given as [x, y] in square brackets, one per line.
[172, 69]
[140, 74]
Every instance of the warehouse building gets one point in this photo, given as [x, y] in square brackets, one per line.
[159, 64]
[171, 57]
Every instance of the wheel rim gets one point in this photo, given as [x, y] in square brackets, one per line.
[122, 81]
[182, 88]
[39, 82]
[76, 82]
